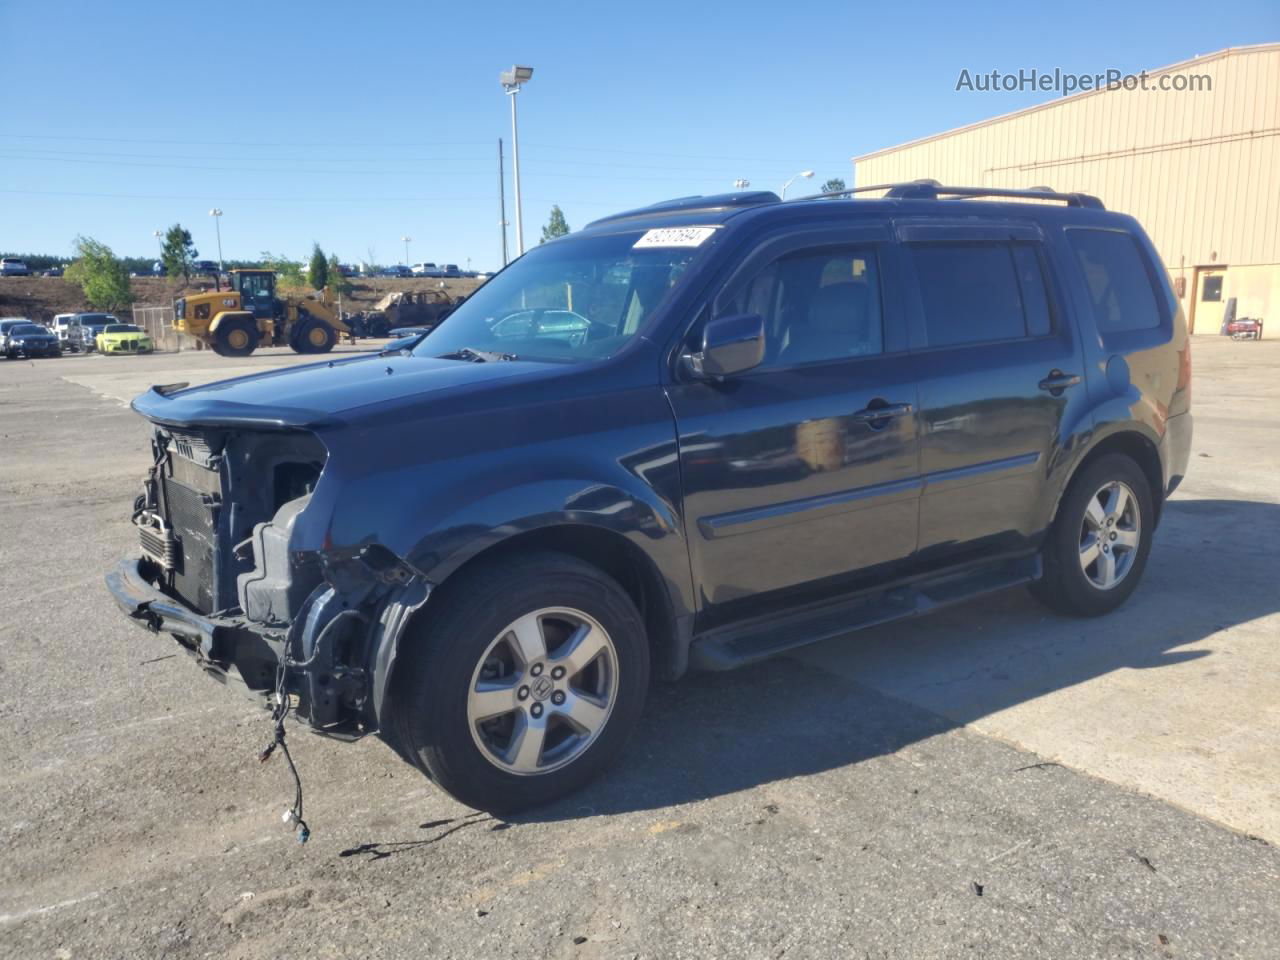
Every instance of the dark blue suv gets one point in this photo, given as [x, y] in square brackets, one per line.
[695, 434]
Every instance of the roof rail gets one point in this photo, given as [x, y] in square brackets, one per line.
[933, 190]
[718, 201]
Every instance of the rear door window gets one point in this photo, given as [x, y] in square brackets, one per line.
[979, 292]
[1116, 275]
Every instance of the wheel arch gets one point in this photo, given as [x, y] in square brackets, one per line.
[1133, 444]
[607, 550]
[603, 548]
[227, 316]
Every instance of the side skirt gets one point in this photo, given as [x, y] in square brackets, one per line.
[739, 645]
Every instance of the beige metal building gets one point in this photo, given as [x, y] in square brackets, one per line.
[1199, 168]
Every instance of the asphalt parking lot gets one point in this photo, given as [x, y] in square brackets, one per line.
[991, 782]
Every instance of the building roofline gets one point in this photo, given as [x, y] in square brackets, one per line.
[1205, 58]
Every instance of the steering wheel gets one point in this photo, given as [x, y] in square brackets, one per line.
[575, 337]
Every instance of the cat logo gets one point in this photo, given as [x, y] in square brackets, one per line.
[228, 301]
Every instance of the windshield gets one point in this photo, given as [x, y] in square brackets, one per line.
[27, 330]
[581, 298]
[121, 328]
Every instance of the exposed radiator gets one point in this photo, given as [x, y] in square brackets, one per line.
[193, 521]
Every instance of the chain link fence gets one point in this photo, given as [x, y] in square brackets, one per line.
[158, 323]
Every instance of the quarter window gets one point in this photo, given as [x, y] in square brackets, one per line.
[1115, 273]
[980, 292]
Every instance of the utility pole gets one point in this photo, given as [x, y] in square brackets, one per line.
[217, 223]
[502, 204]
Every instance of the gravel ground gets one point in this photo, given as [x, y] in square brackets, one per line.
[786, 810]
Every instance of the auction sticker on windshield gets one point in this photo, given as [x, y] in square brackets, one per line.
[674, 237]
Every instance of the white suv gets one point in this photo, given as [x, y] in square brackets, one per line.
[62, 325]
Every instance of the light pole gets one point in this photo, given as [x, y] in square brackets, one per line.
[217, 223]
[806, 174]
[511, 81]
[159, 243]
[741, 184]
[406, 249]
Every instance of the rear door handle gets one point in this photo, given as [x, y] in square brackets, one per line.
[1057, 381]
[886, 412]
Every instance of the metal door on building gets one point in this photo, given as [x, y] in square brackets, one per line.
[1208, 300]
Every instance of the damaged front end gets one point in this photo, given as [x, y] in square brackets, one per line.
[235, 564]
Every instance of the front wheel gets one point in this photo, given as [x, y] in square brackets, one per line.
[1097, 548]
[523, 684]
[235, 338]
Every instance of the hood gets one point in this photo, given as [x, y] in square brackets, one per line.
[323, 394]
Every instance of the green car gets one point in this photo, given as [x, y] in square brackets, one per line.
[123, 338]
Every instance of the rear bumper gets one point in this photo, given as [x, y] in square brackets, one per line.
[1177, 450]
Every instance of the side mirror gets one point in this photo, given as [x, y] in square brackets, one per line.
[732, 344]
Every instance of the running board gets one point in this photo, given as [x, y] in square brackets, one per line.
[736, 647]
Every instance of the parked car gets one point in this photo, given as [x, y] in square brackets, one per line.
[29, 339]
[205, 267]
[450, 270]
[64, 327]
[52, 272]
[396, 270]
[84, 334]
[755, 425]
[7, 324]
[426, 270]
[13, 267]
[123, 338]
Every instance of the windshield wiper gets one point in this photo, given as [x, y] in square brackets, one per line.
[476, 356]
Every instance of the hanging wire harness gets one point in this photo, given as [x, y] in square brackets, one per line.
[279, 713]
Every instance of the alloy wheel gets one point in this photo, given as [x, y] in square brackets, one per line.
[1110, 534]
[543, 691]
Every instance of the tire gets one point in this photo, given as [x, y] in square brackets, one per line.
[1096, 540]
[235, 338]
[313, 336]
[468, 642]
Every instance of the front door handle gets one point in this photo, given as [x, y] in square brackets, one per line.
[885, 411]
[1057, 381]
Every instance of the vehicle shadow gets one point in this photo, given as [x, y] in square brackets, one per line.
[845, 702]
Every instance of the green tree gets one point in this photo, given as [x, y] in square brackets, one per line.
[556, 226]
[318, 270]
[288, 271]
[102, 276]
[338, 284]
[834, 185]
[178, 252]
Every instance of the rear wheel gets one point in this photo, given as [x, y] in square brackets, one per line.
[1097, 549]
[235, 338]
[524, 684]
[314, 336]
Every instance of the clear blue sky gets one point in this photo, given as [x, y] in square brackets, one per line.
[354, 124]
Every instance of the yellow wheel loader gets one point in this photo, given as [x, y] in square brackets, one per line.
[236, 321]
